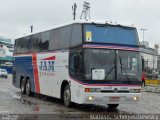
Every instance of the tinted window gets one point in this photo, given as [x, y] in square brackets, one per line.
[76, 35]
[36, 43]
[56, 39]
[45, 41]
[65, 37]
[23, 45]
[76, 63]
[99, 60]
[15, 46]
[128, 67]
[41, 42]
[60, 38]
[54, 42]
[111, 34]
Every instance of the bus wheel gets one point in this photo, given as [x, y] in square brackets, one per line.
[28, 88]
[67, 96]
[113, 106]
[23, 84]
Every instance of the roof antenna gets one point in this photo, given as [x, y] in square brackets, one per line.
[74, 7]
[86, 10]
[31, 28]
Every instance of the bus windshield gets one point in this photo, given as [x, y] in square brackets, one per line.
[128, 65]
[111, 65]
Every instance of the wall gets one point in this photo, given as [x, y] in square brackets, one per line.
[151, 60]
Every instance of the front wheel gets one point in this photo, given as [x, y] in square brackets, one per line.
[67, 96]
[113, 106]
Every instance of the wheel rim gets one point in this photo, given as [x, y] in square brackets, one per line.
[27, 88]
[22, 86]
[67, 95]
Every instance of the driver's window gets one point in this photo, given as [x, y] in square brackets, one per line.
[76, 67]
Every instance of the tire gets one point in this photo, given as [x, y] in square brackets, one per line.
[67, 96]
[113, 106]
[23, 88]
[28, 88]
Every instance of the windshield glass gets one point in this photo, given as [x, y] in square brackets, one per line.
[114, 34]
[128, 67]
[99, 64]
[102, 64]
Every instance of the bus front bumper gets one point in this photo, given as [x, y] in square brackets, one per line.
[110, 98]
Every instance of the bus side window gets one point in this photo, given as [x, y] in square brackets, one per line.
[76, 65]
[72, 70]
[76, 62]
[15, 47]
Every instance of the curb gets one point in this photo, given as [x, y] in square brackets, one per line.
[151, 88]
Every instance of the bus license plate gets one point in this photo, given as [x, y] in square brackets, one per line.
[113, 99]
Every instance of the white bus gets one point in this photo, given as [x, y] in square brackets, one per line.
[83, 62]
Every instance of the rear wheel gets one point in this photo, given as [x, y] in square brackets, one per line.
[28, 88]
[113, 106]
[23, 84]
[67, 96]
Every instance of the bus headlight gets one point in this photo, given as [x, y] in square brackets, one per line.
[135, 90]
[92, 90]
[135, 98]
[90, 98]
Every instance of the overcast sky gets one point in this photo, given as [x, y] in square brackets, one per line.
[16, 16]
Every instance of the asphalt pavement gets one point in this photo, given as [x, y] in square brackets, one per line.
[38, 107]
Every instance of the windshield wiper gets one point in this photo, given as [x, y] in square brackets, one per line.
[112, 68]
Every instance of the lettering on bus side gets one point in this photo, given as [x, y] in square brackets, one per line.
[46, 66]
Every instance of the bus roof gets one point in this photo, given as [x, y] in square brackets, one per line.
[81, 22]
[93, 22]
[100, 22]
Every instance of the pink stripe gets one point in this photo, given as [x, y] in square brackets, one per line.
[111, 47]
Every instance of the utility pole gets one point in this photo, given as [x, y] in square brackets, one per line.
[86, 10]
[156, 46]
[31, 28]
[74, 7]
[143, 34]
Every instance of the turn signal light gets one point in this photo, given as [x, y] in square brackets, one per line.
[87, 90]
[92, 90]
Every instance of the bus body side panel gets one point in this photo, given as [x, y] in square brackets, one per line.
[23, 67]
[45, 70]
[52, 69]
